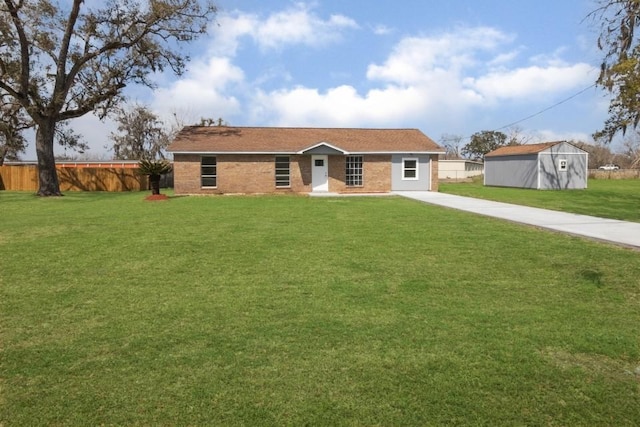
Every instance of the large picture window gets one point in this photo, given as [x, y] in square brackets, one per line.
[283, 171]
[208, 172]
[353, 173]
[410, 168]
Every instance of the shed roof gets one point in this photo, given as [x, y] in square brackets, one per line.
[515, 150]
[224, 139]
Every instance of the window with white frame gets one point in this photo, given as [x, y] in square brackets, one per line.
[410, 168]
[562, 165]
[208, 172]
[283, 172]
[353, 172]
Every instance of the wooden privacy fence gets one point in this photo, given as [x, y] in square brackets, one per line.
[25, 178]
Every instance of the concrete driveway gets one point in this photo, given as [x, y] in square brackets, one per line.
[608, 230]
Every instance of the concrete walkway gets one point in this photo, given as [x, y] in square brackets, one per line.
[609, 230]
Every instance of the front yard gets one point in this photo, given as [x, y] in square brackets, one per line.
[307, 311]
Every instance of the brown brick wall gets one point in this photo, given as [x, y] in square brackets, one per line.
[301, 174]
[248, 174]
[376, 174]
[253, 174]
[186, 174]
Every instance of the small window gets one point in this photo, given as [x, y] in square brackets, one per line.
[562, 165]
[410, 169]
[208, 172]
[319, 163]
[353, 173]
[283, 172]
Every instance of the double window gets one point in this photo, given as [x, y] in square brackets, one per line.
[353, 172]
[410, 168]
[283, 172]
[208, 172]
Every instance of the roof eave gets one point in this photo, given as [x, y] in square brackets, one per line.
[302, 152]
[230, 152]
[398, 152]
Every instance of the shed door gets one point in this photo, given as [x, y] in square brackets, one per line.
[320, 173]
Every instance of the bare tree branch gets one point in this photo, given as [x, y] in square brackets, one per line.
[620, 67]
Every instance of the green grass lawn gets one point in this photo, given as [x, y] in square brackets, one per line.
[617, 199]
[307, 311]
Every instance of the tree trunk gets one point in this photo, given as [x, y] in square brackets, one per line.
[3, 154]
[48, 184]
[154, 180]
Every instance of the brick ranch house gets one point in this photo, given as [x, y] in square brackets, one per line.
[259, 160]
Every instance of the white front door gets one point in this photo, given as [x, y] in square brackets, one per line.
[320, 173]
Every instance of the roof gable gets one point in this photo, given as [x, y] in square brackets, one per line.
[322, 148]
[223, 139]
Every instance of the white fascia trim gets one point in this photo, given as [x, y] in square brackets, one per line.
[285, 153]
[562, 153]
[320, 144]
[404, 153]
[216, 153]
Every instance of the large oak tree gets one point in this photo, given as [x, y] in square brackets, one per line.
[62, 60]
[620, 68]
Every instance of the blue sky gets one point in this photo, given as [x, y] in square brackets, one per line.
[445, 67]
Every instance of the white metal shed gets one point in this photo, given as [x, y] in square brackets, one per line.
[547, 166]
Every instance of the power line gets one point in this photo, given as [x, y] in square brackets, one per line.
[539, 112]
[548, 108]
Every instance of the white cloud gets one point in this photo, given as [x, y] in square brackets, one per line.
[381, 30]
[553, 59]
[415, 59]
[504, 58]
[297, 25]
[204, 90]
[340, 106]
[531, 81]
[228, 31]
